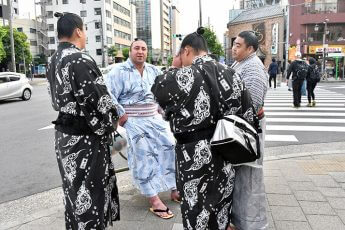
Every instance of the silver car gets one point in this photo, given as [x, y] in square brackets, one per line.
[14, 85]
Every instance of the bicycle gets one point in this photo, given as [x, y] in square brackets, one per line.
[119, 144]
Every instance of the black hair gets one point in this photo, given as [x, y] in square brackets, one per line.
[273, 60]
[250, 39]
[312, 61]
[196, 40]
[214, 57]
[135, 40]
[67, 23]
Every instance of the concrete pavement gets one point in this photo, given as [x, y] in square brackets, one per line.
[304, 191]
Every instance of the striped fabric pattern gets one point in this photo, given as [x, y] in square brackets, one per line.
[255, 76]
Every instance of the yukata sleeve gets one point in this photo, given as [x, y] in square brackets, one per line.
[114, 83]
[92, 96]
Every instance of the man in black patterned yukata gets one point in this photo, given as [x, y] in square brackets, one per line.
[86, 120]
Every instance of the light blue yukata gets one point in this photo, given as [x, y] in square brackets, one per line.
[151, 151]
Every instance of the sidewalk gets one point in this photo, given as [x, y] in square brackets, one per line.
[303, 193]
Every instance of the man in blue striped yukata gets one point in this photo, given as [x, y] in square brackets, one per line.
[249, 203]
[151, 152]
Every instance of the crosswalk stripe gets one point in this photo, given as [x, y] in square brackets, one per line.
[303, 120]
[319, 104]
[312, 114]
[284, 138]
[303, 108]
[317, 100]
[305, 128]
[47, 127]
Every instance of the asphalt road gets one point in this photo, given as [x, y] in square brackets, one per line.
[28, 164]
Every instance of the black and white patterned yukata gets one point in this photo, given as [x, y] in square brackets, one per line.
[77, 88]
[205, 181]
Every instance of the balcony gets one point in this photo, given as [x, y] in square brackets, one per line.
[324, 8]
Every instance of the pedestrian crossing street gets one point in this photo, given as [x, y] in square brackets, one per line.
[287, 125]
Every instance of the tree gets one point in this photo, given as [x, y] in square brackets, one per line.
[39, 59]
[21, 47]
[112, 52]
[125, 53]
[212, 42]
[170, 60]
[2, 50]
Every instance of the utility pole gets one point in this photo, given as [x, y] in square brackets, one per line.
[3, 18]
[324, 47]
[162, 30]
[36, 25]
[287, 45]
[11, 37]
[200, 14]
[102, 41]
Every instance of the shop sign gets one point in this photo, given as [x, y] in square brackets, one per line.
[274, 47]
[329, 50]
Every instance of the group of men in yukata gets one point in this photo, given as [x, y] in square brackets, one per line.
[85, 99]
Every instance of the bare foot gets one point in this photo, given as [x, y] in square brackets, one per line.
[230, 227]
[157, 204]
[175, 196]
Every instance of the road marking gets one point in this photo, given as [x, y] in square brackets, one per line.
[339, 87]
[47, 127]
[304, 100]
[266, 108]
[283, 138]
[305, 128]
[312, 114]
[317, 104]
[303, 120]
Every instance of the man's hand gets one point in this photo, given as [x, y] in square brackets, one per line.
[123, 119]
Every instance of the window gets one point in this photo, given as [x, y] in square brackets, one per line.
[57, 2]
[32, 30]
[109, 40]
[15, 10]
[51, 40]
[97, 25]
[33, 43]
[83, 1]
[108, 14]
[50, 27]
[14, 78]
[109, 27]
[121, 34]
[97, 11]
[108, 1]
[50, 14]
[50, 2]
[4, 80]
[83, 13]
[98, 38]
[99, 51]
[121, 9]
[20, 29]
[64, 1]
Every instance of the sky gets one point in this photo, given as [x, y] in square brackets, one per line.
[215, 10]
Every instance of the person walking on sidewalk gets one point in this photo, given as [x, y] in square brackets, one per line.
[300, 70]
[87, 118]
[249, 202]
[273, 71]
[151, 154]
[204, 179]
[312, 79]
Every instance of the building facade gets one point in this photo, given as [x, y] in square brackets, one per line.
[268, 24]
[107, 23]
[154, 26]
[175, 29]
[5, 11]
[310, 23]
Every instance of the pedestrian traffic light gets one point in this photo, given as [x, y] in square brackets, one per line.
[179, 36]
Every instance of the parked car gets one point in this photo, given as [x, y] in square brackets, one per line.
[14, 85]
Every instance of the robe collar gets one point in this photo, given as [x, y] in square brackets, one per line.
[66, 45]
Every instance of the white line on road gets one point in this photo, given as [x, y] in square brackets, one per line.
[317, 97]
[47, 127]
[317, 104]
[303, 120]
[306, 128]
[304, 100]
[311, 114]
[283, 138]
[266, 108]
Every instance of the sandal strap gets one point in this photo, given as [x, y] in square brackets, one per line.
[161, 210]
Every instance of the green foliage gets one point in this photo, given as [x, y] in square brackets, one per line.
[170, 60]
[125, 53]
[212, 42]
[40, 59]
[2, 50]
[21, 46]
[112, 51]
